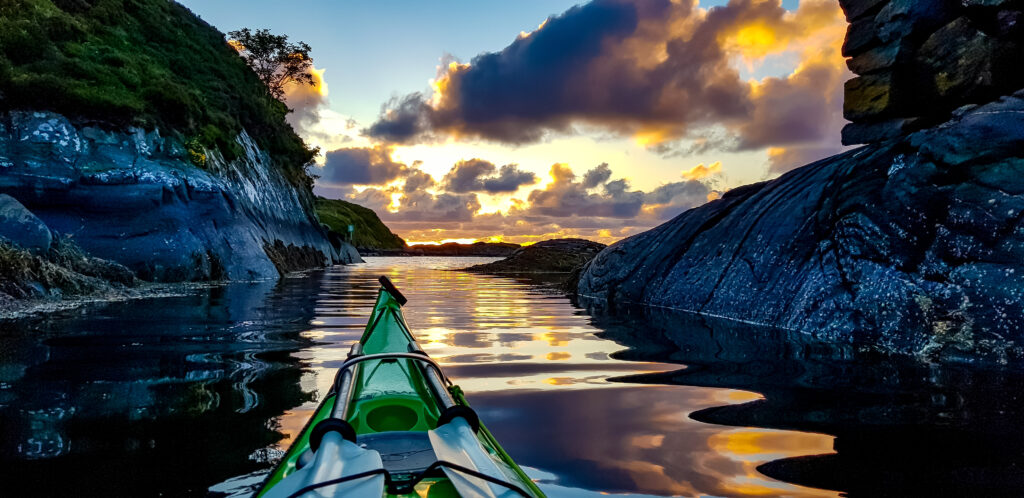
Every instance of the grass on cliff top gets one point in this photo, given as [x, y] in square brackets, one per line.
[370, 232]
[140, 62]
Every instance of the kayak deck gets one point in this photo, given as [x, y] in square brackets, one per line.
[394, 425]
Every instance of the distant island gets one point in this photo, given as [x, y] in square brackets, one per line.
[369, 234]
[372, 237]
[549, 256]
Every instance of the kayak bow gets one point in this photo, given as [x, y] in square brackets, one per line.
[394, 425]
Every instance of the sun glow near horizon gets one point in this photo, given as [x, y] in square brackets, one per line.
[440, 242]
[776, 60]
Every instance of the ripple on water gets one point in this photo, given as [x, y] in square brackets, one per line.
[537, 373]
[191, 394]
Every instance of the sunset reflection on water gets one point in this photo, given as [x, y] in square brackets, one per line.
[534, 369]
[200, 393]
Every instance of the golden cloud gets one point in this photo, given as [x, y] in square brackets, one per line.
[658, 72]
[700, 172]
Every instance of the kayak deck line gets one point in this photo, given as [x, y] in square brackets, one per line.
[393, 424]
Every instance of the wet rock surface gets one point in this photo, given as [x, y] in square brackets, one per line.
[913, 245]
[918, 60]
[134, 197]
[18, 226]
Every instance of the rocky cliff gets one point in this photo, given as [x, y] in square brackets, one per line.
[918, 60]
[134, 197]
[912, 245]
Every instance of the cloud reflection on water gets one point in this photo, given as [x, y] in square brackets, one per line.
[534, 369]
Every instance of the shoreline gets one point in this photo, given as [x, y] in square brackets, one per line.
[20, 309]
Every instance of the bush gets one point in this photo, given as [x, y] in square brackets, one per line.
[145, 63]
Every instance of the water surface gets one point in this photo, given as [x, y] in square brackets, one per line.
[200, 394]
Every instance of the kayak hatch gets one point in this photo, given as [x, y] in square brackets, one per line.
[394, 425]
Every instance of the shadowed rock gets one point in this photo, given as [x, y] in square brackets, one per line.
[20, 227]
[549, 256]
[918, 60]
[134, 197]
[913, 245]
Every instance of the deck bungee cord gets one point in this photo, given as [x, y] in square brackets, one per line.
[394, 425]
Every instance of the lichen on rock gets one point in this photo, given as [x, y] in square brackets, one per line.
[919, 60]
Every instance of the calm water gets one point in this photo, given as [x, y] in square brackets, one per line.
[200, 394]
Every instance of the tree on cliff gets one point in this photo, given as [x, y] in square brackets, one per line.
[274, 60]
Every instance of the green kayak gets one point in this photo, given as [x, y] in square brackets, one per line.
[394, 425]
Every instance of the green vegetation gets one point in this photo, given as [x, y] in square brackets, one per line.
[149, 63]
[274, 60]
[370, 232]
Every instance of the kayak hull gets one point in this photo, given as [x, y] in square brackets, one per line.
[391, 403]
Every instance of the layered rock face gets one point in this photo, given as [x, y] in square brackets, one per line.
[913, 245]
[135, 198]
[918, 60]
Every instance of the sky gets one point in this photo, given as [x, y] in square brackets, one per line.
[528, 120]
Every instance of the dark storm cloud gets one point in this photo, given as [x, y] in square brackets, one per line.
[465, 175]
[478, 175]
[402, 120]
[597, 176]
[509, 179]
[670, 199]
[632, 66]
[360, 166]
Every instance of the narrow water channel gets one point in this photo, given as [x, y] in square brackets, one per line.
[200, 394]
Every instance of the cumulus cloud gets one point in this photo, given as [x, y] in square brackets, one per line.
[445, 207]
[376, 199]
[597, 176]
[671, 199]
[306, 101]
[700, 171]
[655, 69]
[465, 175]
[591, 205]
[566, 197]
[401, 194]
[478, 175]
[417, 180]
[360, 166]
[509, 179]
[401, 119]
[311, 116]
